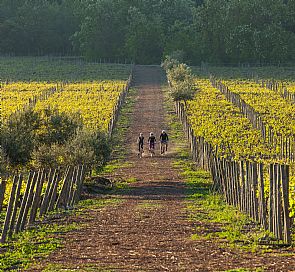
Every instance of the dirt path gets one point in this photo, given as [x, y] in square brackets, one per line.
[149, 231]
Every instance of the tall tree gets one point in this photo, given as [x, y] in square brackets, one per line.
[144, 39]
[102, 31]
[223, 31]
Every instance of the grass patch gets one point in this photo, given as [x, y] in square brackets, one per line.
[219, 220]
[31, 245]
[96, 203]
[114, 165]
[119, 150]
[37, 243]
[245, 270]
[197, 237]
[148, 205]
[131, 180]
[123, 185]
[119, 135]
[86, 268]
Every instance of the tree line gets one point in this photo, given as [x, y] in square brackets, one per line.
[219, 31]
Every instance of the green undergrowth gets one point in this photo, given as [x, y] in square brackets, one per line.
[115, 165]
[95, 204]
[30, 246]
[85, 268]
[213, 218]
[245, 270]
[119, 147]
[123, 185]
[148, 205]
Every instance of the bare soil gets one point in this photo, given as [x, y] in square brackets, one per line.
[149, 230]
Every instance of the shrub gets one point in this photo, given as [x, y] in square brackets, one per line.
[86, 147]
[49, 156]
[17, 137]
[180, 73]
[169, 63]
[57, 127]
[40, 135]
[180, 79]
[2, 163]
[183, 91]
[91, 147]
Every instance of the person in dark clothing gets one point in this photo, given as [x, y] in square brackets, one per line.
[164, 141]
[152, 141]
[140, 142]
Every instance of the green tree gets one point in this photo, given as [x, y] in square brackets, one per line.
[101, 33]
[220, 31]
[144, 39]
[18, 138]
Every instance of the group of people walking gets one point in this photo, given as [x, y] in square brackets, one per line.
[152, 142]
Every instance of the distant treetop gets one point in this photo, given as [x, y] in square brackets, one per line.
[216, 31]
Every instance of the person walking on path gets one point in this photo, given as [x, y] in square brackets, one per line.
[152, 142]
[164, 142]
[140, 142]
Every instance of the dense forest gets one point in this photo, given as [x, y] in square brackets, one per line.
[219, 31]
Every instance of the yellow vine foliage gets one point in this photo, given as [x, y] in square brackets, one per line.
[17, 95]
[276, 111]
[223, 125]
[95, 101]
[290, 85]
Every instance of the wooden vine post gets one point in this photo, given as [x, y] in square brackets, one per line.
[243, 182]
[9, 210]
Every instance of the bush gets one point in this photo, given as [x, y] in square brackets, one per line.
[17, 137]
[50, 139]
[180, 79]
[57, 127]
[49, 156]
[183, 91]
[39, 135]
[169, 63]
[180, 73]
[89, 147]
[86, 147]
[2, 163]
